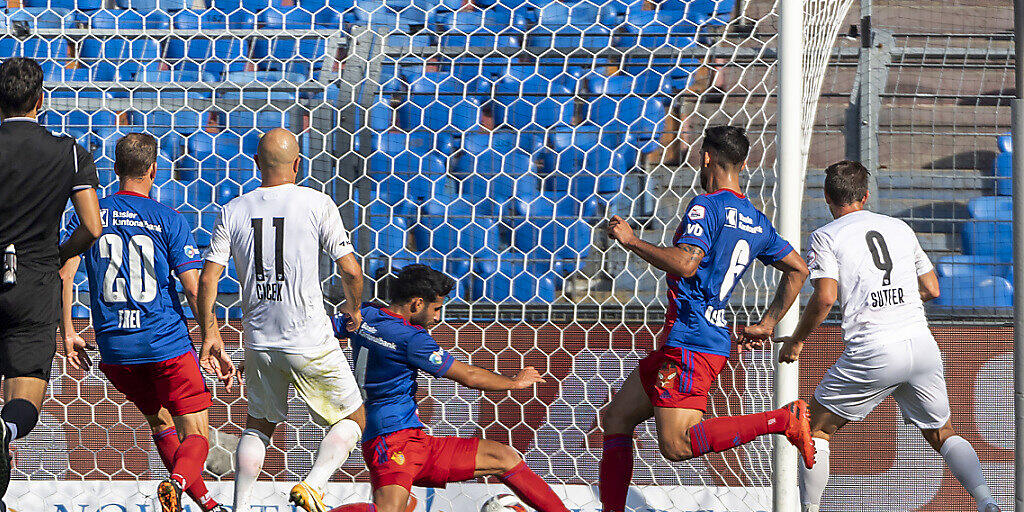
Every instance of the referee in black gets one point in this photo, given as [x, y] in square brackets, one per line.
[39, 172]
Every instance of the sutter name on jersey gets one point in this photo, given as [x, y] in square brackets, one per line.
[887, 297]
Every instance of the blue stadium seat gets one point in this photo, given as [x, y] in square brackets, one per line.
[960, 265]
[71, 5]
[208, 19]
[301, 56]
[991, 208]
[78, 123]
[228, 6]
[504, 277]
[491, 28]
[118, 58]
[213, 56]
[244, 121]
[406, 168]
[35, 18]
[455, 224]
[44, 49]
[128, 19]
[388, 229]
[171, 193]
[439, 101]
[153, 5]
[224, 144]
[534, 105]
[989, 232]
[492, 166]
[975, 291]
[546, 222]
[1005, 143]
[1002, 169]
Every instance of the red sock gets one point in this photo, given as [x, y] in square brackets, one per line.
[615, 472]
[532, 489]
[189, 460]
[720, 434]
[355, 507]
[166, 445]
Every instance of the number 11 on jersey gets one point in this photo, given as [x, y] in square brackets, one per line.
[265, 290]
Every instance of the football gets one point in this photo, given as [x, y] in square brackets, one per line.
[503, 503]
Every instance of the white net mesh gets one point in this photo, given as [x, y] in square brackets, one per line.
[487, 140]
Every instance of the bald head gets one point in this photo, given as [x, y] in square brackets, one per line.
[277, 154]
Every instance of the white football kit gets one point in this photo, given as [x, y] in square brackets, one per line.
[275, 235]
[876, 260]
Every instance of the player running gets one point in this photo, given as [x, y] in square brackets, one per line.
[140, 327]
[275, 234]
[390, 348]
[710, 251]
[875, 266]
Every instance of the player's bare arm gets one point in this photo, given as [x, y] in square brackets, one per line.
[87, 207]
[485, 380]
[682, 260]
[74, 345]
[212, 357]
[928, 284]
[794, 273]
[352, 284]
[826, 291]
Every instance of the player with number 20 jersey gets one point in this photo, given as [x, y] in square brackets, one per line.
[144, 345]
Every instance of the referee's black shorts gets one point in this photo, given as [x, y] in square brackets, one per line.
[28, 324]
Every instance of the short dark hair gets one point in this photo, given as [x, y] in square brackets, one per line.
[846, 182]
[21, 83]
[420, 281]
[729, 143]
[134, 154]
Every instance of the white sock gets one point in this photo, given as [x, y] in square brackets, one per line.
[964, 464]
[814, 480]
[13, 429]
[333, 452]
[249, 455]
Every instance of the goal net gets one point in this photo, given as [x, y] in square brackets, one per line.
[489, 140]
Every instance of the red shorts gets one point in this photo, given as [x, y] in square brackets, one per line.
[679, 378]
[412, 457]
[175, 383]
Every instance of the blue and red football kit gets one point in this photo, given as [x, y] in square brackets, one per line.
[139, 322]
[695, 341]
[389, 353]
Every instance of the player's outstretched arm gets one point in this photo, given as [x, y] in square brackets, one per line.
[352, 284]
[486, 380]
[794, 273]
[826, 290]
[212, 356]
[682, 260]
[87, 207]
[74, 345]
[928, 285]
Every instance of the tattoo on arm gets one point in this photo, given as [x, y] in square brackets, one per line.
[694, 252]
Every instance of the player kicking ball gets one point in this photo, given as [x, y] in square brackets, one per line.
[711, 250]
[390, 348]
[140, 327]
[875, 266]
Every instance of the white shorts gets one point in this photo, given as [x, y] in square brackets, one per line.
[324, 381]
[909, 369]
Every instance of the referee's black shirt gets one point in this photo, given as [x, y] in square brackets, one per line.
[38, 173]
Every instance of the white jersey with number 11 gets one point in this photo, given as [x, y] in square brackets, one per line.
[275, 235]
